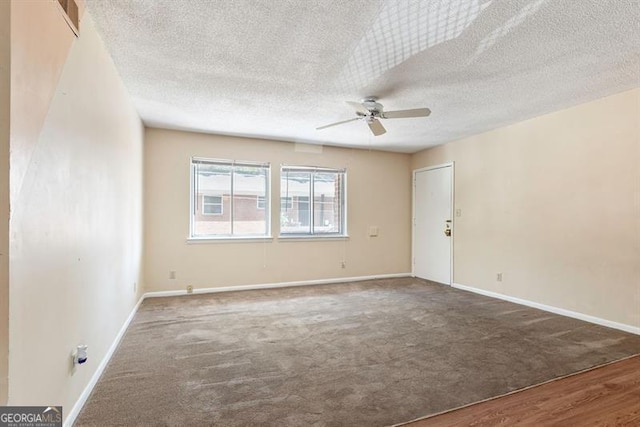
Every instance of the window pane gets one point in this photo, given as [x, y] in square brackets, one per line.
[212, 200]
[249, 185]
[295, 212]
[326, 203]
[229, 198]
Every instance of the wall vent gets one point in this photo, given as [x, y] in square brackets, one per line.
[70, 13]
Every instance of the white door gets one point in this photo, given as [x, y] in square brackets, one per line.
[432, 230]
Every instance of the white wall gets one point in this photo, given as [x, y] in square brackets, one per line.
[554, 204]
[379, 194]
[76, 222]
[5, 97]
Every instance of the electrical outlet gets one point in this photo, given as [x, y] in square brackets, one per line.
[189, 289]
[343, 264]
[499, 277]
[172, 274]
[79, 355]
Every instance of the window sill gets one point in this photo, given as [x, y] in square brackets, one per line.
[239, 239]
[313, 237]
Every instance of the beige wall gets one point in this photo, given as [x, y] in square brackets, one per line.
[5, 97]
[554, 204]
[76, 222]
[37, 75]
[379, 194]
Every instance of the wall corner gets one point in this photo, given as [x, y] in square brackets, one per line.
[5, 108]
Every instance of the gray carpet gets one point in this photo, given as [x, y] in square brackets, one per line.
[369, 353]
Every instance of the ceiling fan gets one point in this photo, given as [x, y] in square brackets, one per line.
[370, 110]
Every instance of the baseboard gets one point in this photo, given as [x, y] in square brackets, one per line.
[75, 411]
[561, 311]
[155, 294]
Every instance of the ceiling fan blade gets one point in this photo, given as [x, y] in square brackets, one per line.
[337, 123]
[401, 114]
[376, 127]
[358, 107]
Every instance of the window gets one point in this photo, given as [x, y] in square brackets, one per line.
[229, 199]
[312, 201]
[211, 205]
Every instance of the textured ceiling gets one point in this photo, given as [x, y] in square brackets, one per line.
[280, 68]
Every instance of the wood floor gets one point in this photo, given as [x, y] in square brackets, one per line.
[606, 396]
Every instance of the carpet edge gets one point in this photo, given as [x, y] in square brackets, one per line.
[593, 368]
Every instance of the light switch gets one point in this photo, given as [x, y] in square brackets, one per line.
[373, 231]
[458, 212]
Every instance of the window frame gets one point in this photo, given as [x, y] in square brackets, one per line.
[312, 234]
[193, 208]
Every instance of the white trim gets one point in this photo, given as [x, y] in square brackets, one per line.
[156, 294]
[77, 407]
[268, 207]
[453, 217]
[453, 214]
[311, 169]
[413, 223]
[428, 168]
[319, 236]
[229, 239]
[561, 311]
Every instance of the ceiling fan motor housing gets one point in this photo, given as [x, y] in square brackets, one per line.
[372, 105]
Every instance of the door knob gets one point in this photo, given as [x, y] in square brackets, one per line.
[447, 232]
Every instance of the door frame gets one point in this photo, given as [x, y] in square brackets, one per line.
[413, 213]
